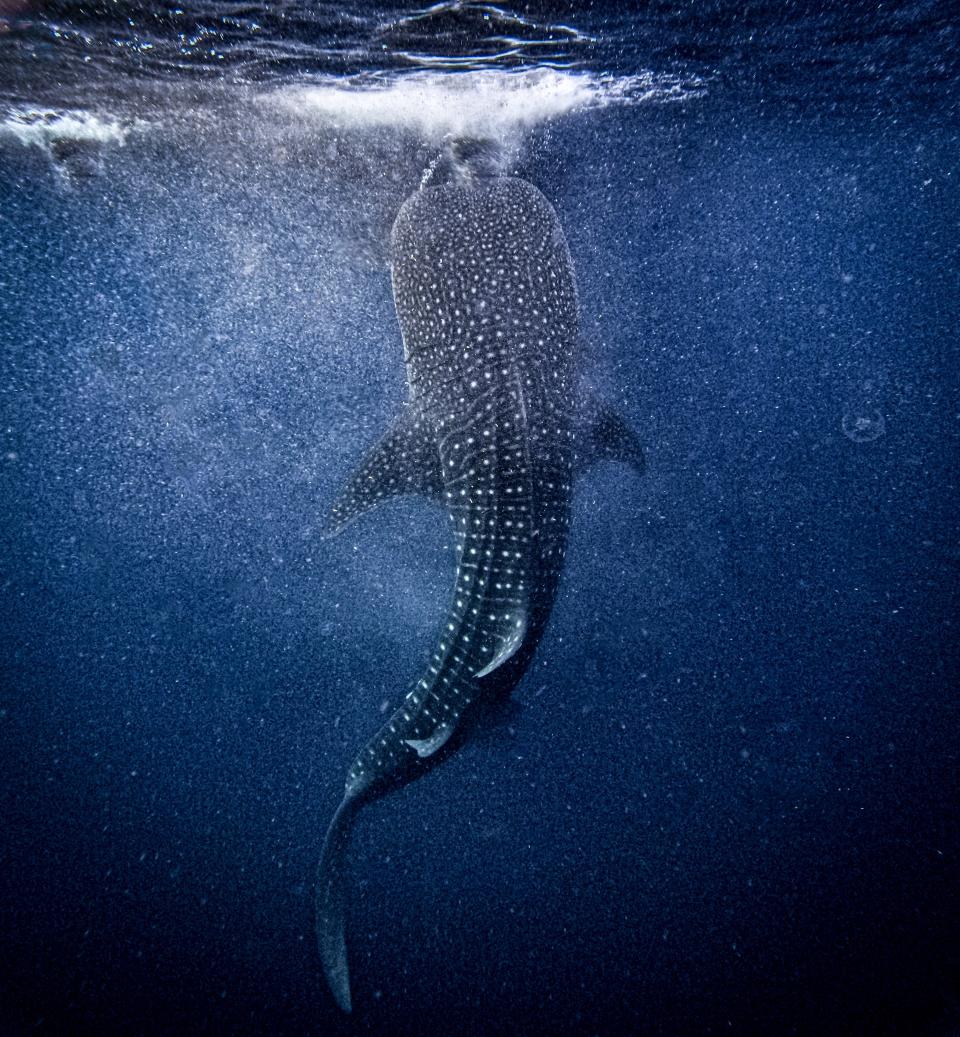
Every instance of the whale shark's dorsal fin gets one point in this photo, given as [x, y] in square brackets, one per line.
[404, 461]
[509, 643]
[604, 435]
[428, 746]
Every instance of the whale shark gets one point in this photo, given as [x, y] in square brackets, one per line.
[495, 427]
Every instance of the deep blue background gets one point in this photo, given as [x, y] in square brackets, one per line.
[729, 801]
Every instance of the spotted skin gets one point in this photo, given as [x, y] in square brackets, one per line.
[487, 303]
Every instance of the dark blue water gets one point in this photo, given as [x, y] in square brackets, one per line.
[727, 802]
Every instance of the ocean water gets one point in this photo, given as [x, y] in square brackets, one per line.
[726, 800]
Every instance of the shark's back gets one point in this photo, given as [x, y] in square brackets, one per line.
[483, 279]
[487, 303]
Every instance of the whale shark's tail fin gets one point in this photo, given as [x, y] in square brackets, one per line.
[330, 904]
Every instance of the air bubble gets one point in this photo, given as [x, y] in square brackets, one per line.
[864, 426]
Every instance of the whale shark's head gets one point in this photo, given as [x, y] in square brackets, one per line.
[480, 268]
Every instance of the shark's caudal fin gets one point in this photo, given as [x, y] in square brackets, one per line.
[330, 905]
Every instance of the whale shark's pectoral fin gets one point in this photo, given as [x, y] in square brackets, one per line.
[604, 435]
[405, 460]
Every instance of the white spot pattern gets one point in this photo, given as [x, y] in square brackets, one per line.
[486, 299]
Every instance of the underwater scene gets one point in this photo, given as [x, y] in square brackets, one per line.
[479, 534]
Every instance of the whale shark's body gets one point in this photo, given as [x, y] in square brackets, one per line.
[494, 428]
